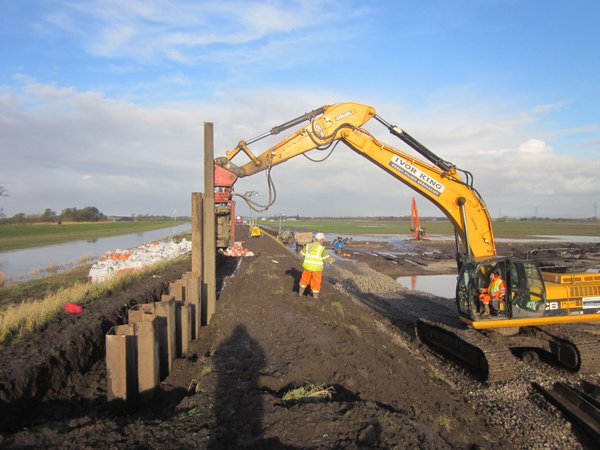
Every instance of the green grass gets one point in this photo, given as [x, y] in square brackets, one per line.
[524, 228]
[43, 287]
[20, 319]
[501, 228]
[13, 237]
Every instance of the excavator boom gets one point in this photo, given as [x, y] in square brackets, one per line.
[437, 179]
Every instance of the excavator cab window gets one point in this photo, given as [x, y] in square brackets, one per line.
[497, 304]
[526, 289]
[467, 290]
[462, 292]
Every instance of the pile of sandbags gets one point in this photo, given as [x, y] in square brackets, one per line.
[237, 249]
[120, 261]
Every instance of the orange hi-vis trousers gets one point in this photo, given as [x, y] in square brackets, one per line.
[314, 279]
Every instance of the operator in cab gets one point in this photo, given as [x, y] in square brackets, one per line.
[315, 256]
[495, 290]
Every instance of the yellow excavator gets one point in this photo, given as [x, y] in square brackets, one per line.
[538, 307]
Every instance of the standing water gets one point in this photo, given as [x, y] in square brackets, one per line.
[440, 285]
[29, 263]
[444, 285]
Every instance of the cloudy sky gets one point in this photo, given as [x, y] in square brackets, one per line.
[103, 103]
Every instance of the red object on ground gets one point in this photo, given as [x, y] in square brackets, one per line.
[72, 308]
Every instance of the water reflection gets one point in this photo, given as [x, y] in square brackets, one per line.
[27, 263]
[440, 285]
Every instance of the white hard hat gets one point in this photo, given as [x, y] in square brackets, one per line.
[319, 236]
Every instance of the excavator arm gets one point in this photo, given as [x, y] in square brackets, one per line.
[324, 128]
[435, 178]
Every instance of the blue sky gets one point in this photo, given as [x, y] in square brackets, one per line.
[102, 103]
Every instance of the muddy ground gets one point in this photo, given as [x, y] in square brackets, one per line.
[388, 391]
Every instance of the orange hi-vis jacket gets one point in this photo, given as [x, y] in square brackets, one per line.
[496, 289]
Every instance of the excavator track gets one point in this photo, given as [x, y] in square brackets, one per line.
[488, 359]
[577, 350]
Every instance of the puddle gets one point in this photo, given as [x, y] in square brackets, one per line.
[439, 285]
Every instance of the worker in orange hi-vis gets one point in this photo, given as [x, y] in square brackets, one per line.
[315, 256]
[496, 289]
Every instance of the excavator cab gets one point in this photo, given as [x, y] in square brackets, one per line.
[524, 290]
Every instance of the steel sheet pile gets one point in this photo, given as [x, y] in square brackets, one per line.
[121, 261]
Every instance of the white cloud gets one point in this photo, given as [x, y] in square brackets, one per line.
[190, 31]
[70, 148]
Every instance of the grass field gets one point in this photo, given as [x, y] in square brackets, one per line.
[21, 316]
[13, 237]
[503, 229]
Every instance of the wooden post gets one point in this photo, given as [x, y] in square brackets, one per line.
[147, 360]
[197, 224]
[192, 286]
[165, 329]
[194, 279]
[121, 370]
[165, 309]
[209, 277]
[177, 289]
[184, 326]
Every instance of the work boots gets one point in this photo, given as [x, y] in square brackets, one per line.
[316, 295]
[301, 290]
[486, 308]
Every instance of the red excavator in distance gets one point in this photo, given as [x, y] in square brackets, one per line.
[415, 223]
[539, 305]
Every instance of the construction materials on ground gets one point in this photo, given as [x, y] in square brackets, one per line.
[286, 236]
[303, 238]
[237, 249]
[121, 261]
[339, 244]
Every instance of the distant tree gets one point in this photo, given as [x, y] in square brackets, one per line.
[3, 193]
[19, 218]
[87, 214]
[91, 214]
[48, 216]
[69, 215]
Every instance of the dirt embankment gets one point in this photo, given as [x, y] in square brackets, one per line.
[358, 338]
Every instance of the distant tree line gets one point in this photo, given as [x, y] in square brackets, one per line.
[87, 214]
